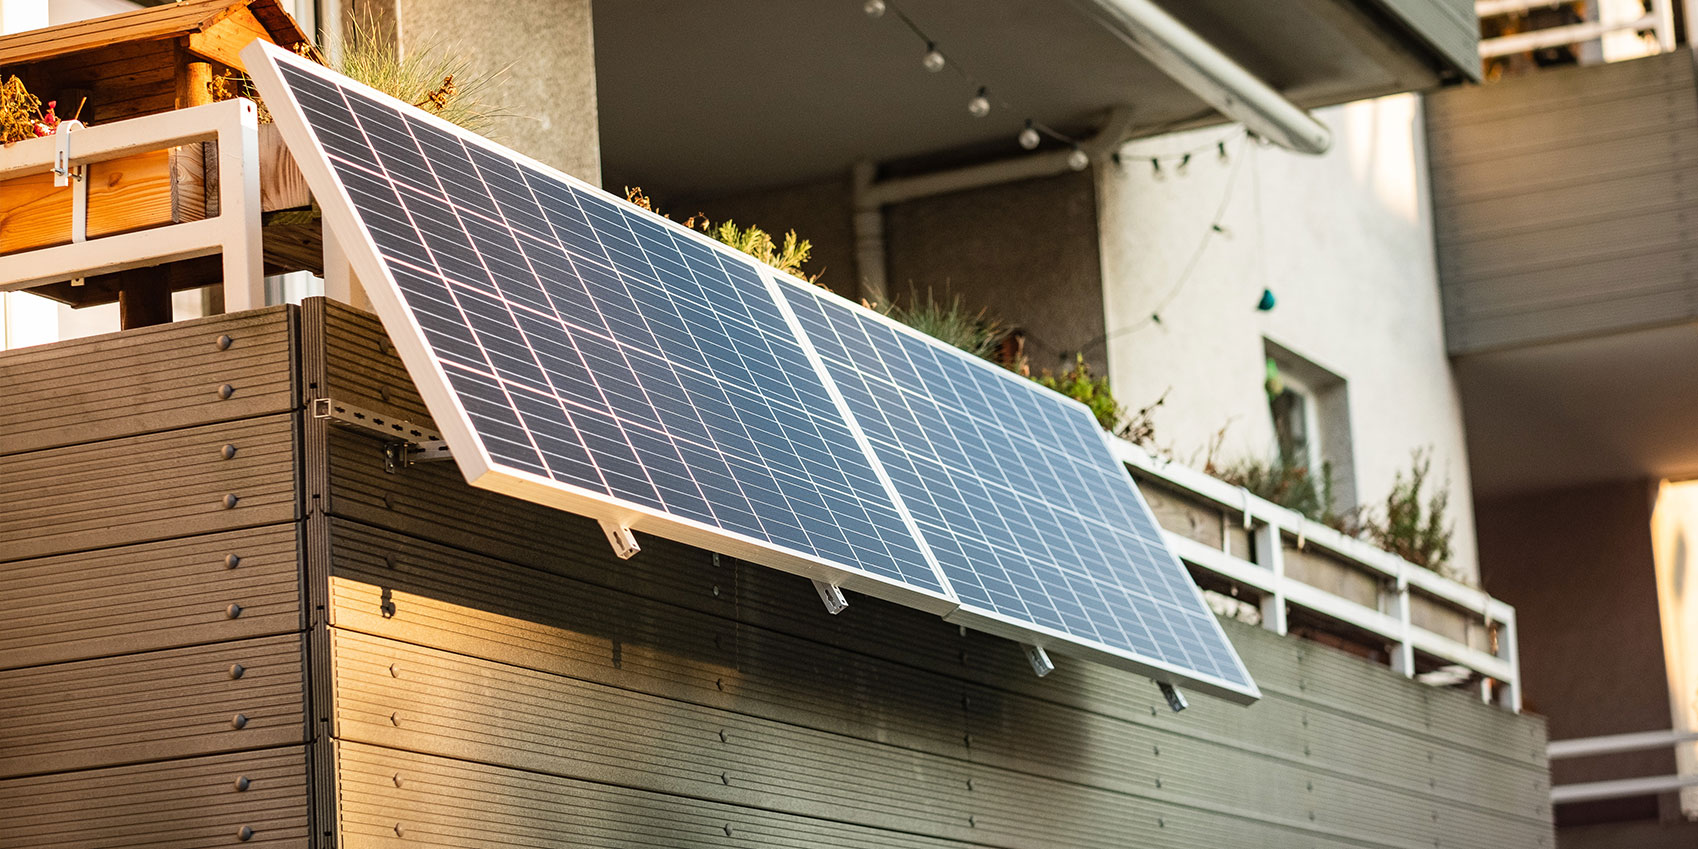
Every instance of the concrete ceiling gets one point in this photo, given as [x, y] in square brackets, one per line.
[703, 98]
[1569, 413]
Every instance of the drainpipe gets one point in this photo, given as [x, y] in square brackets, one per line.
[1210, 74]
[871, 195]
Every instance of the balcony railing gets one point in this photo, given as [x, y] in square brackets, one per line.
[1296, 567]
[1614, 744]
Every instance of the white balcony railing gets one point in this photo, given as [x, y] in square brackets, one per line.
[234, 233]
[1275, 531]
[1650, 16]
[1614, 744]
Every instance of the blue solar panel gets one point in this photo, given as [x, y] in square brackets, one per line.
[1040, 531]
[579, 352]
[633, 368]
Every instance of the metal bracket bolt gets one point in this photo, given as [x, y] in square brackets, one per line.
[1041, 664]
[832, 596]
[624, 542]
[1175, 699]
[406, 443]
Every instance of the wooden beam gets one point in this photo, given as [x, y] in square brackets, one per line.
[144, 298]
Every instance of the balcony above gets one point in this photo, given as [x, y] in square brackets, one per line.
[1563, 205]
[1563, 202]
[710, 99]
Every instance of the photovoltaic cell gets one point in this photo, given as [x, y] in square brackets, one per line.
[1014, 489]
[598, 347]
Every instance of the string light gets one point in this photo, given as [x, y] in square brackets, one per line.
[1178, 163]
[1078, 160]
[1029, 138]
[1215, 230]
[933, 61]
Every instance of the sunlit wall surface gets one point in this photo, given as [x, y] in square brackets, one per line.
[1674, 536]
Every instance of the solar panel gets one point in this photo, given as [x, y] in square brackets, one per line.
[584, 354]
[1039, 529]
[581, 353]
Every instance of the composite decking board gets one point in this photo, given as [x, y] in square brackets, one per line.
[150, 596]
[359, 361]
[481, 711]
[485, 608]
[821, 700]
[448, 803]
[145, 380]
[150, 487]
[152, 706]
[191, 803]
[428, 501]
[494, 611]
[420, 699]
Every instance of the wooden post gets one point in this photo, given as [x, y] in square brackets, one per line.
[144, 294]
[144, 298]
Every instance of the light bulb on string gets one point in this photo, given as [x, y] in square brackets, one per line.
[1155, 169]
[979, 106]
[933, 61]
[1078, 160]
[1029, 138]
[1221, 146]
[873, 8]
[1184, 164]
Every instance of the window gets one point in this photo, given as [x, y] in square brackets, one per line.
[1310, 409]
[1292, 404]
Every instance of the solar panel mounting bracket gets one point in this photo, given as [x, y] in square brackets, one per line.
[832, 596]
[405, 443]
[624, 542]
[1175, 699]
[1041, 664]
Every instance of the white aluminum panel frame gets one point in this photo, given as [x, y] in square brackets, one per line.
[480, 469]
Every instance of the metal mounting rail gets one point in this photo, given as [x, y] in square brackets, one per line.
[406, 443]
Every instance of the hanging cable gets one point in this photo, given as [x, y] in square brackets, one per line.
[1216, 228]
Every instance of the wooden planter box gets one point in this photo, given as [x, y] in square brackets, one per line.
[132, 193]
[137, 192]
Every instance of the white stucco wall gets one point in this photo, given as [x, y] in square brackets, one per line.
[1345, 242]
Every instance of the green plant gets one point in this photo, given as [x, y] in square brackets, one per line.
[1079, 384]
[1140, 427]
[950, 321]
[20, 112]
[787, 256]
[432, 76]
[1289, 485]
[1414, 526]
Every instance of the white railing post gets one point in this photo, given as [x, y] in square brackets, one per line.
[338, 276]
[1270, 555]
[238, 208]
[1509, 694]
[1404, 659]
